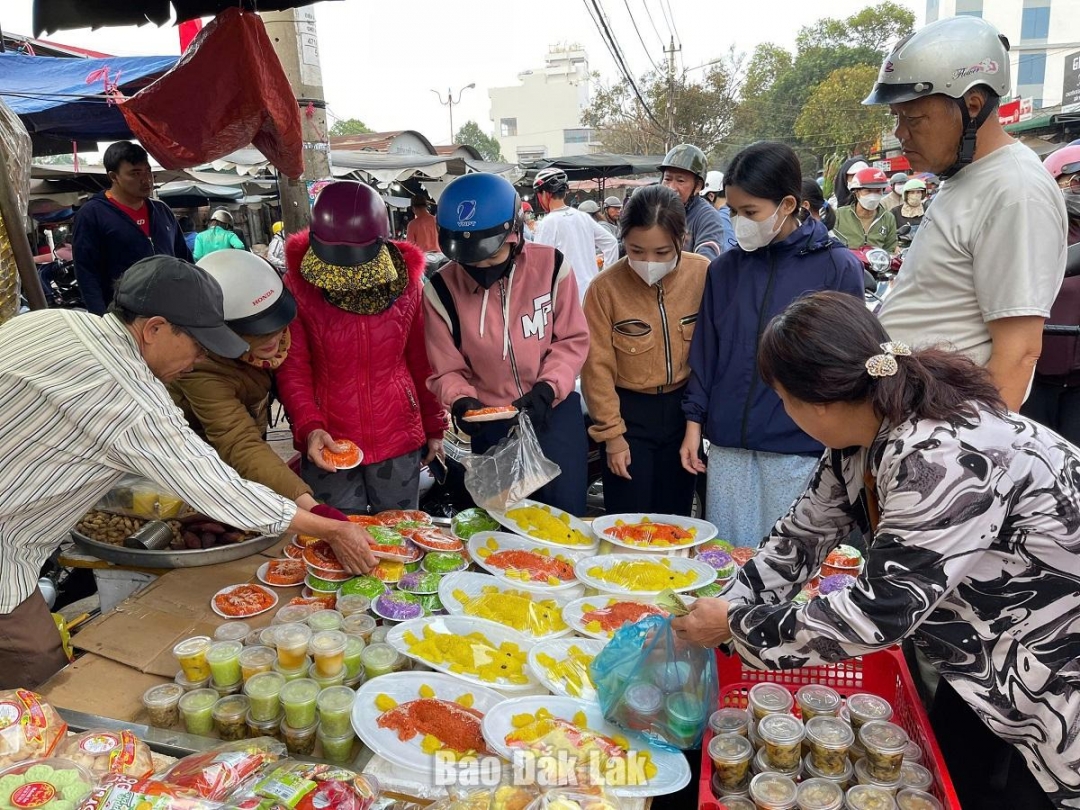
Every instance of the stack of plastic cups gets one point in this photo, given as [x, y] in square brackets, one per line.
[265, 716]
[226, 676]
[298, 728]
[335, 732]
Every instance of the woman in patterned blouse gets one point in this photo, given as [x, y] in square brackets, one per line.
[974, 550]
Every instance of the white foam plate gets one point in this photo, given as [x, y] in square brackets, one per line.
[574, 613]
[264, 569]
[403, 687]
[513, 542]
[704, 574]
[577, 523]
[705, 531]
[229, 588]
[672, 769]
[558, 648]
[496, 634]
[473, 584]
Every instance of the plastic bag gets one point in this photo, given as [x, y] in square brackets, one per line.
[502, 797]
[510, 471]
[139, 497]
[118, 792]
[575, 799]
[103, 751]
[29, 727]
[216, 773]
[293, 785]
[650, 682]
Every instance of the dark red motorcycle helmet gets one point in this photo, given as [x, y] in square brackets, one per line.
[349, 224]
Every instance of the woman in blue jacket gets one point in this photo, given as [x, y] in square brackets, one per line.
[759, 460]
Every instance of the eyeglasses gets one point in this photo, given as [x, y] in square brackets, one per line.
[202, 349]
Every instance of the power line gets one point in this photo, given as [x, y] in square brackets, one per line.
[667, 20]
[645, 5]
[671, 15]
[641, 39]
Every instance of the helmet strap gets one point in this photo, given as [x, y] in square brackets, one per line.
[966, 152]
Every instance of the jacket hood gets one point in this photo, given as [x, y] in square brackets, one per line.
[298, 244]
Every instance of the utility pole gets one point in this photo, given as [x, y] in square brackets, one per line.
[451, 101]
[296, 43]
[669, 52]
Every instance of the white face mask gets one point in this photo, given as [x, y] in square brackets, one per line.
[752, 235]
[870, 201]
[652, 272]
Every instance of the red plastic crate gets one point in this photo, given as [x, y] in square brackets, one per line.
[882, 673]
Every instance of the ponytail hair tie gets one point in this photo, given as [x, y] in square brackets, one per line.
[884, 364]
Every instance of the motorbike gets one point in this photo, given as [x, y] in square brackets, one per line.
[60, 285]
[879, 270]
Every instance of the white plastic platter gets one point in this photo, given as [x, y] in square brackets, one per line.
[404, 687]
[473, 584]
[703, 574]
[672, 769]
[496, 634]
[558, 648]
[264, 569]
[705, 531]
[230, 588]
[574, 613]
[576, 523]
[513, 542]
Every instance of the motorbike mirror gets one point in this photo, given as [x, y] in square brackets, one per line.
[903, 230]
[879, 260]
[869, 282]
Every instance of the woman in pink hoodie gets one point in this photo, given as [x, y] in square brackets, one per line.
[504, 327]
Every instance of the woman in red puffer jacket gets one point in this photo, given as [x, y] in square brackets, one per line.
[357, 366]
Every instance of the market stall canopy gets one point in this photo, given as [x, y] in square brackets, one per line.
[65, 98]
[61, 178]
[588, 167]
[55, 15]
[183, 194]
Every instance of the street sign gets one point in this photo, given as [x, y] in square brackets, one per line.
[1009, 112]
[1070, 91]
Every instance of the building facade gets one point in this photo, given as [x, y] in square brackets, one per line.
[1042, 33]
[540, 117]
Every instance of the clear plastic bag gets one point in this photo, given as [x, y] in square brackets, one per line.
[215, 773]
[510, 471]
[139, 497]
[648, 681]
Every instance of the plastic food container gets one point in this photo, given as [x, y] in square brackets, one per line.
[913, 753]
[326, 683]
[843, 779]
[292, 614]
[864, 777]
[229, 689]
[350, 604]
[232, 631]
[738, 803]
[354, 664]
[328, 649]
[254, 638]
[820, 794]
[268, 636]
[830, 739]
[782, 735]
[254, 660]
[230, 717]
[292, 644]
[197, 710]
[863, 708]
[190, 686]
[868, 797]
[336, 749]
[335, 710]
[162, 703]
[191, 654]
[671, 676]
[355, 682]
[264, 693]
[294, 674]
[299, 741]
[730, 721]
[908, 799]
[364, 626]
[379, 659]
[731, 755]
[915, 776]
[640, 706]
[685, 715]
[324, 619]
[771, 791]
[762, 765]
[768, 698]
[45, 783]
[815, 700]
[885, 744]
[298, 699]
[224, 660]
[264, 728]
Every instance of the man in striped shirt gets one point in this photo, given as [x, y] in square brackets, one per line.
[83, 403]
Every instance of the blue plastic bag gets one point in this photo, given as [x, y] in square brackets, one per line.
[648, 681]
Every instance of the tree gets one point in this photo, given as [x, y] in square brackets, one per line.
[834, 117]
[349, 126]
[702, 112]
[470, 134]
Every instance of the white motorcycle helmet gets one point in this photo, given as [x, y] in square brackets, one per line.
[256, 300]
[714, 183]
[948, 57]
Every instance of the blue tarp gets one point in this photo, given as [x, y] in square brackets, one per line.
[45, 92]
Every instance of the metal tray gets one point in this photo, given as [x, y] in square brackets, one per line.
[184, 558]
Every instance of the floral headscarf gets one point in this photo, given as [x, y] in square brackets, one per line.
[366, 289]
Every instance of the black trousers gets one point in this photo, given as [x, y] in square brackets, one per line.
[987, 771]
[655, 426]
[1056, 406]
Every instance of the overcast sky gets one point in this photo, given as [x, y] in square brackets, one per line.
[380, 60]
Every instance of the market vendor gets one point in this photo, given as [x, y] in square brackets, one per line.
[84, 403]
[227, 401]
[974, 516]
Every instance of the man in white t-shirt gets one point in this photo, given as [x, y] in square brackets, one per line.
[576, 235]
[989, 256]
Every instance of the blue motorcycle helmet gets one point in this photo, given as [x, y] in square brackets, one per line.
[477, 212]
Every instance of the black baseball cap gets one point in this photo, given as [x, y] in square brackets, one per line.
[183, 294]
